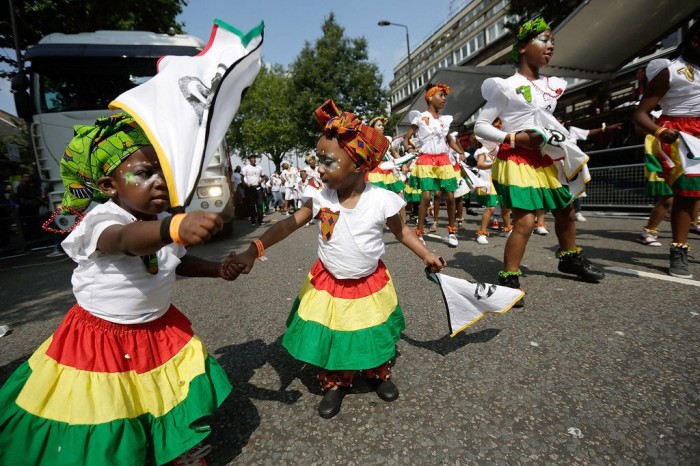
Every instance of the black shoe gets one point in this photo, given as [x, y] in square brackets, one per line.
[511, 281]
[579, 265]
[679, 263]
[387, 391]
[330, 404]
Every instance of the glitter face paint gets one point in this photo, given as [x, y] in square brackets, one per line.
[329, 162]
[130, 178]
[543, 39]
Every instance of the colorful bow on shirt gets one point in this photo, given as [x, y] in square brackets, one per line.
[365, 145]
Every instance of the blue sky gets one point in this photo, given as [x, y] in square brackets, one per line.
[291, 23]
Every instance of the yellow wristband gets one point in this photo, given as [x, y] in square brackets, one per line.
[660, 130]
[175, 228]
[511, 137]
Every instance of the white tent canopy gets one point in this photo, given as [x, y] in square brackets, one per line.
[593, 42]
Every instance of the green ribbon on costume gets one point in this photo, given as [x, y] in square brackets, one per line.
[527, 30]
[94, 152]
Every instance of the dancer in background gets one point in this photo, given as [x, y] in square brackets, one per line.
[674, 84]
[524, 177]
[433, 171]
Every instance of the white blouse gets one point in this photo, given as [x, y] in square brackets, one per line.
[683, 95]
[117, 287]
[357, 239]
[520, 103]
[432, 132]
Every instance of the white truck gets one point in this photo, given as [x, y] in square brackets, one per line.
[72, 78]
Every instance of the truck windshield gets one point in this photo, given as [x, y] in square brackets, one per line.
[87, 83]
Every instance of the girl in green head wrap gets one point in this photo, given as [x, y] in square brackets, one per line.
[124, 379]
[525, 177]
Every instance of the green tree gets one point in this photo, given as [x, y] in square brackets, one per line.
[37, 18]
[263, 124]
[334, 67]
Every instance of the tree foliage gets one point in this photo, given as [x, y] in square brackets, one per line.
[263, 124]
[37, 18]
[334, 67]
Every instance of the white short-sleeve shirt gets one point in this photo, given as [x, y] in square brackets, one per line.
[356, 243]
[431, 132]
[520, 103]
[683, 95]
[117, 287]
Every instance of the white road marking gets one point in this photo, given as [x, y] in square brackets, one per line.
[658, 276]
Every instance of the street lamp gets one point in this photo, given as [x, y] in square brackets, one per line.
[408, 52]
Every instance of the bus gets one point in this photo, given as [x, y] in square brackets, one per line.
[70, 79]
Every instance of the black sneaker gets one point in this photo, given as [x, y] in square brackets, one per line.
[679, 263]
[579, 265]
[511, 281]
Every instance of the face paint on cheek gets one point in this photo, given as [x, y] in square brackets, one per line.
[152, 179]
[331, 164]
[130, 178]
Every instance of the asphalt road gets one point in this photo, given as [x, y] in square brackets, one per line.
[585, 374]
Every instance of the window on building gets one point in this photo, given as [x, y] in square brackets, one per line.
[495, 30]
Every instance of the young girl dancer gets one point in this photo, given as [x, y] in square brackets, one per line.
[524, 177]
[346, 317]
[674, 84]
[387, 179]
[432, 170]
[123, 380]
[489, 200]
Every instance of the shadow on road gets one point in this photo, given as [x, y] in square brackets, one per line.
[446, 345]
[237, 418]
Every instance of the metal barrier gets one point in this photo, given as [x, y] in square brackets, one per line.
[617, 187]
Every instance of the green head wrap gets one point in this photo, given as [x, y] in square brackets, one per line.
[94, 152]
[526, 31]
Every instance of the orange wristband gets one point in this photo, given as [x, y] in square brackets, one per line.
[259, 246]
[175, 228]
[660, 130]
[511, 137]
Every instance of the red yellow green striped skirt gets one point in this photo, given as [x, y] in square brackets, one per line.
[434, 172]
[99, 393]
[681, 184]
[485, 199]
[345, 324]
[386, 179]
[656, 186]
[525, 179]
[411, 194]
